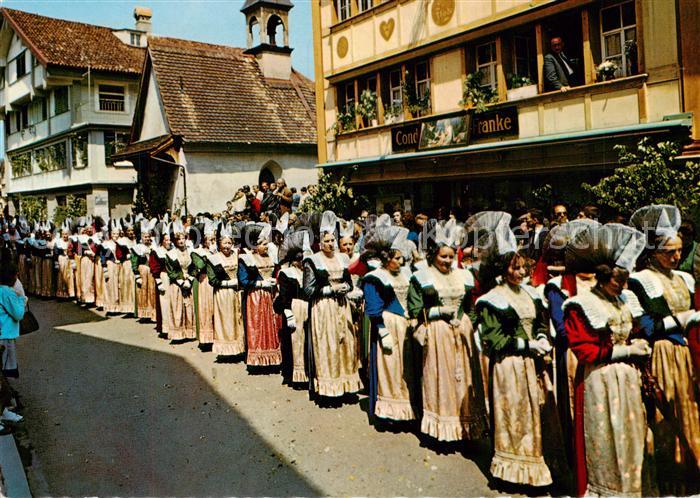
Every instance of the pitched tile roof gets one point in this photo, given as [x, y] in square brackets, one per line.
[217, 94]
[58, 42]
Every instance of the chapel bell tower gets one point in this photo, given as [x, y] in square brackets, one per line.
[267, 26]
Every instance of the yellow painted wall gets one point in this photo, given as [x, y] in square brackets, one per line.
[446, 88]
[565, 116]
[528, 122]
[615, 109]
[659, 20]
[664, 99]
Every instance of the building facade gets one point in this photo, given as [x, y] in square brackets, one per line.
[68, 94]
[211, 118]
[445, 102]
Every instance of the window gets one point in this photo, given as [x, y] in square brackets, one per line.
[395, 89]
[366, 5]
[22, 118]
[619, 37]
[111, 98]
[21, 64]
[37, 111]
[136, 39]
[79, 150]
[343, 9]
[349, 97]
[486, 63]
[60, 100]
[422, 80]
[51, 158]
[115, 142]
[523, 57]
[21, 164]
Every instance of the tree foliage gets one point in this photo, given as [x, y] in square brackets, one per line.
[333, 194]
[75, 207]
[33, 208]
[649, 174]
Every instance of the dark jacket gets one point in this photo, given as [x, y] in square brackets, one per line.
[555, 73]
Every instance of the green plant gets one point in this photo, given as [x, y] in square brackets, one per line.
[393, 111]
[517, 81]
[346, 120]
[75, 207]
[421, 107]
[21, 164]
[333, 193]
[141, 204]
[649, 174]
[368, 105]
[475, 95]
[33, 208]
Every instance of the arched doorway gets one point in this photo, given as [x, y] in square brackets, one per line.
[270, 172]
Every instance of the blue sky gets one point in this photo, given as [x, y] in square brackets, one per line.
[213, 21]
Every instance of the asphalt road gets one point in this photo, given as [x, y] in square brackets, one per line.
[111, 409]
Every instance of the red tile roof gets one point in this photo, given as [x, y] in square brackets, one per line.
[217, 94]
[56, 42]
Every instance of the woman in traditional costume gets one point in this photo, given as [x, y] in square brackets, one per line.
[63, 254]
[256, 278]
[222, 273]
[386, 305]
[178, 263]
[610, 417]
[47, 264]
[333, 346]
[557, 290]
[156, 263]
[514, 333]
[439, 298]
[203, 292]
[110, 269]
[146, 293]
[38, 248]
[666, 296]
[127, 277]
[291, 304]
[87, 265]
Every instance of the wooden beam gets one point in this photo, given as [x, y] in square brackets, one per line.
[500, 73]
[539, 43]
[358, 118]
[322, 148]
[643, 104]
[404, 99]
[588, 65]
[639, 19]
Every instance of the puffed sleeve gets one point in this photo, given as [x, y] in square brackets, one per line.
[374, 304]
[556, 313]
[212, 275]
[310, 287]
[415, 299]
[246, 278]
[283, 300]
[588, 346]
[493, 336]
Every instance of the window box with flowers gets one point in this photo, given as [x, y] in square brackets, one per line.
[51, 158]
[21, 164]
[476, 95]
[393, 114]
[367, 108]
[520, 87]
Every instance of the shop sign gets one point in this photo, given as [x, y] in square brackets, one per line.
[445, 132]
[496, 123]
[405, 138]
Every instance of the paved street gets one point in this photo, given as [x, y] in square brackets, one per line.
[113, 410]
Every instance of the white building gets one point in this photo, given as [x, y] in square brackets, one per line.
[68, 91]
[210, 118]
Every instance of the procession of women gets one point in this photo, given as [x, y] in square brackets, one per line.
[583, 362]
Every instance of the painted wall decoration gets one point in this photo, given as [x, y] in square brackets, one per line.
[445, 132]
[342, 47]
[442, 11]
[386, 28]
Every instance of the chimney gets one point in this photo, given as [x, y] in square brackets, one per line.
[143, 19]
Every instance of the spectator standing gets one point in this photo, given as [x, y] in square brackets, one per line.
[560, 214]
[559, 70]
[303, 196]
[296, 199]
[12, 307]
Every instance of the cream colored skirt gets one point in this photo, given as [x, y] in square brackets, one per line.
[205, 310]
[87, 280]
[180, 315]
[300, 309]
[65, 284]
[394, 372]
[110, 289]
[229, 338]
[453, 398]
[127, 288]
[146, 294]
[335, 348]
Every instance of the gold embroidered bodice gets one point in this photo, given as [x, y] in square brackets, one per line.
[675, 292]
[449, 286]
[265, 265]
[230, 265]
[400, 284]
[334, 267]
[620, 320]
[185, 260]
[523, 304]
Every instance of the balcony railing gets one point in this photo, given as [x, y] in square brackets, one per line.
[111, 105]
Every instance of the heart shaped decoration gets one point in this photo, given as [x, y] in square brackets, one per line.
[386, 28]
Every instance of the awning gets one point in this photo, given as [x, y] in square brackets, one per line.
[150, 147]
[669, 125]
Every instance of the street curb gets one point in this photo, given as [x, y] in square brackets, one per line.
[15, 480]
